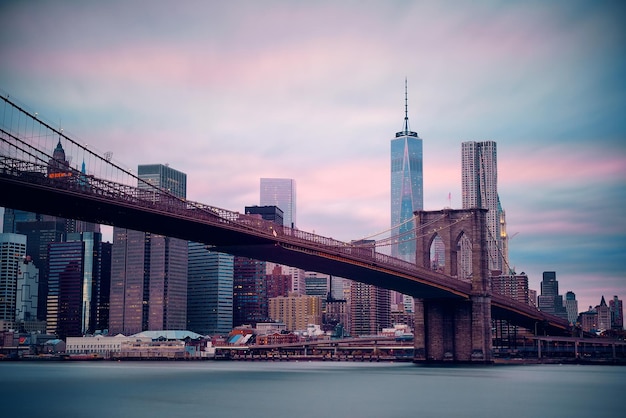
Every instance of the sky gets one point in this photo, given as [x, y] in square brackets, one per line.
[230, 92]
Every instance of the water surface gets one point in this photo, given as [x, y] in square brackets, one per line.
[306, 389]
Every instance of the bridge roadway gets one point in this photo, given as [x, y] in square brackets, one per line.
[25, 186]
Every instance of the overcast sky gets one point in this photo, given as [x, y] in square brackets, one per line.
[229, 92]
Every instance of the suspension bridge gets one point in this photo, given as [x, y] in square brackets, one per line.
[453, 316]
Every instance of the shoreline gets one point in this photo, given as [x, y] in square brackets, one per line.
[355, 359]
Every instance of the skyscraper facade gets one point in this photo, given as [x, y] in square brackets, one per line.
[407, 187]
[64, 311]
[74, 284]
[209, 291]
[282, 193]
[604, 315]
[514, 286]
[571, 307]
[296, 312]
[149, 271]
[277, 283]
[26, 292]
[480, 190]
[163, 177]
[370, 310]
[549, 300]
[249, 292]
[12, 252]
[617, 313]
[40, 230]
[104, 288]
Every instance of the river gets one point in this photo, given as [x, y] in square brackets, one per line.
[307, 389]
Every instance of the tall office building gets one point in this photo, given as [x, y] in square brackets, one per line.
[571, 307]
[162, 177]
[514, 286]
[13, 216]
[149, 271]
[280, 193]
[617, 313]
[407, 187]
[480, 190]
[12, 252]
[26, 292]
[370, 310]
[250, 304]
[74, 284]
[604, 315]
[369, 305]
[317, 284]
[209, 291]
[104, 289]
[40, 230]
[549, 300]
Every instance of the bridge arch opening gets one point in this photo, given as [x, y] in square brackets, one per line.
[463, 249]
[437, 254]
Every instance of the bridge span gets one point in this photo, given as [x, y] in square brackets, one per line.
[454, 315]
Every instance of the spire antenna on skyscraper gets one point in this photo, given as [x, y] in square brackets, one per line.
[405, 129]
[406, 106]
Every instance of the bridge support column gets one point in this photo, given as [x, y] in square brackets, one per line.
[481, 329]
[419, 339]
[453, 331]
[434, 332]
[462, 331]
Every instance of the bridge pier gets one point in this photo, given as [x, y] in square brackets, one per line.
[449, 330]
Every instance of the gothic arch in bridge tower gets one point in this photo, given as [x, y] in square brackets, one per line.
[454, 329]
[452, 226]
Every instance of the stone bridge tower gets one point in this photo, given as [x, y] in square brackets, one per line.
[454, 329]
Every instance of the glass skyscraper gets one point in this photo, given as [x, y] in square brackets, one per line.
[209, 291]
[407, 187]
[281, 193]
[163, 177]
[149, 271]
[74, 284]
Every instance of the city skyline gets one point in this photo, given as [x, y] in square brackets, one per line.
[230, 94]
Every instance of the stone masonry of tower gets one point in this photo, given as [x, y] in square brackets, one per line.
[454, 329]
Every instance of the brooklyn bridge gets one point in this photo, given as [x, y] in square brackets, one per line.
[453, 317]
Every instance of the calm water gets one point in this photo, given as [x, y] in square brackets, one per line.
[315, 389]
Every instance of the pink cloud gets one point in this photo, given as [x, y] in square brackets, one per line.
[552, 165]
